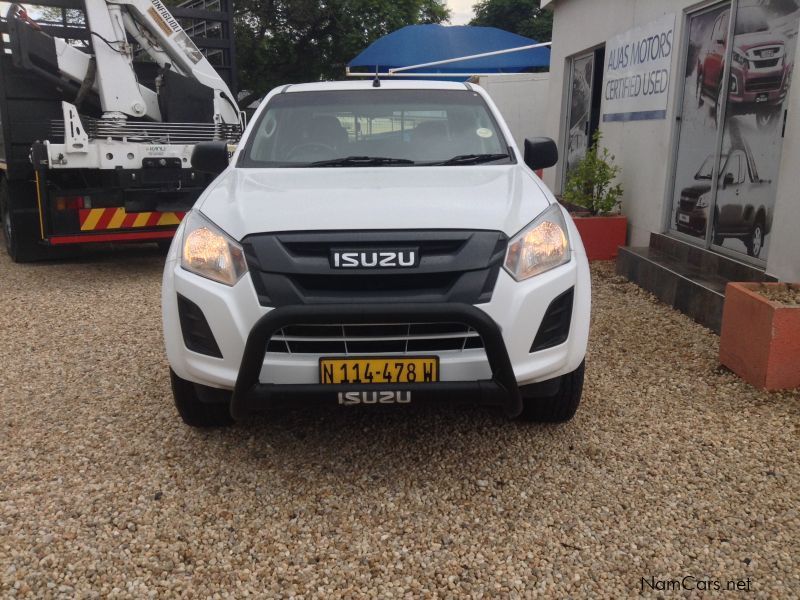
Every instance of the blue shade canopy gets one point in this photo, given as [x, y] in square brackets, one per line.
[417, 44]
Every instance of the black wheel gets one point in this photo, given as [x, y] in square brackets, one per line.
[557, 408]
[20, 236]
[200, 406]
[755, 243]
[163, 246]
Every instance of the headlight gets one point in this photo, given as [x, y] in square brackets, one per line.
[207, 251]
[702, 202]
[740, 58]
[541, 246]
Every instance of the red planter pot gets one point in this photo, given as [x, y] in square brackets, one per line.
[760, 339]
[602, 236]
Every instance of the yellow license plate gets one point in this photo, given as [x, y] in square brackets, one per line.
[419, 369]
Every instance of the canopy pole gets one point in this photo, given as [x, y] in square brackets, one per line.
[470, 57]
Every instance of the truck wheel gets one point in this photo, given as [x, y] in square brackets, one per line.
[20, 241]
[211, 411]
[557, 408]
[755, 243]
[5, 216]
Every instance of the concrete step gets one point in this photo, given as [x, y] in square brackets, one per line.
[703, 261]
[686, 277]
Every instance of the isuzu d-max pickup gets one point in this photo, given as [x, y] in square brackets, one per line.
[372, 243]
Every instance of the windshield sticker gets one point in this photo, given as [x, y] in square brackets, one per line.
[484, 132]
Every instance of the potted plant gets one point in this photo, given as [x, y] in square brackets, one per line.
[594, 200]
[760, 339]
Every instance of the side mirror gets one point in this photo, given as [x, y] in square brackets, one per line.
[210, 157]
[540, 153]
[728, 180]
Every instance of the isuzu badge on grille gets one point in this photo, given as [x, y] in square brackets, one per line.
[374, 259]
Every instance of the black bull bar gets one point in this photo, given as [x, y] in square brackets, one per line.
[250, 395]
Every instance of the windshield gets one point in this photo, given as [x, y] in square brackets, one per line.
[375, 128]
[704, 172]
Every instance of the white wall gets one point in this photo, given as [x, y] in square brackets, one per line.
[523, 100]
[784, 253]
[642, 148]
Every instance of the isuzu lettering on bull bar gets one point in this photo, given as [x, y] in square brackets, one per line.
[369, 245]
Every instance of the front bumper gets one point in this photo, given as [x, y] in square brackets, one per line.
[516, 310]
[746, 93]
[501, 389]
[691, 222]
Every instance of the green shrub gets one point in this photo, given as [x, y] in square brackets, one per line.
[589, 183]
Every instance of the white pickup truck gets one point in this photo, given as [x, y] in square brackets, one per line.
[376, 243]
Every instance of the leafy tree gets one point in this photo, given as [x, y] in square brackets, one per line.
[523, 17]
[289, 41]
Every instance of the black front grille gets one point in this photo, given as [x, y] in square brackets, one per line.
[766, 63]
[197, 334]
[688, 204]
[763, 84]
[374, 338]
[554, 329]
[454, 266]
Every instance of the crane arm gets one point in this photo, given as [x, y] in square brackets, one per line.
[110, 22]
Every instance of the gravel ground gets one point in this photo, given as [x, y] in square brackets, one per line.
[671, 468]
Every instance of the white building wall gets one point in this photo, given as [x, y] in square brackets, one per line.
[784, 255]
[523, 100]
[642, 148]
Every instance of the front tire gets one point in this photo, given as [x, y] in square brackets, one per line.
[194, 411]
[557, 408]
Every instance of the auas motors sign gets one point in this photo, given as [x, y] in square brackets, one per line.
[638, 72]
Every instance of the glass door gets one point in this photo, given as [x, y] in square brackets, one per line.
[696, 158]
[579, 118]
[762, 57]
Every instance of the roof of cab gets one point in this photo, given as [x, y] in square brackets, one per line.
[364, 84]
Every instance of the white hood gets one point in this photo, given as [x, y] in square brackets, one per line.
[497, 197]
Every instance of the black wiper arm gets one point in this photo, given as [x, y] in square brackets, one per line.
[361, 161]
[471, 159]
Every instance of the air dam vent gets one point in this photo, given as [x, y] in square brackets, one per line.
[196, 332]
[554, 329]
[374, 338]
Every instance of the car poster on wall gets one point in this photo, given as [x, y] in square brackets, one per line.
[732, 190]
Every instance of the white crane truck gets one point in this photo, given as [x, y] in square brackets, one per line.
[100, 113]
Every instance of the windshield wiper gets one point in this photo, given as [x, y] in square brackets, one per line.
[361, 161]
[471, 159]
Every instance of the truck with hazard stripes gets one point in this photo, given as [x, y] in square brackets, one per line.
[102, 103]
